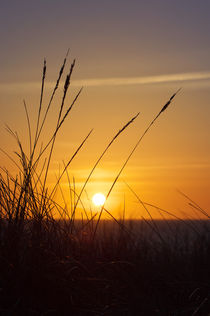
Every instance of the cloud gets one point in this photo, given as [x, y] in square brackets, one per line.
[196, 76]
[123, 81]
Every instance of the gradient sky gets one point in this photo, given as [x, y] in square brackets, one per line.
[131, 56]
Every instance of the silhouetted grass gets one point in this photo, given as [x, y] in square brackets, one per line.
[63, 266]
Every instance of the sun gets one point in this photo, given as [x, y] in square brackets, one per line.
[98, 199]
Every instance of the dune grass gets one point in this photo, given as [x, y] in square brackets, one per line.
[65, 266]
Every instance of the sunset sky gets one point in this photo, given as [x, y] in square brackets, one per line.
[131, 56]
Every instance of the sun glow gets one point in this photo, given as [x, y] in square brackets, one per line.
[98, 199]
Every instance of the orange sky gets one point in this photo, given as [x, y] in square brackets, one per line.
[126, 66]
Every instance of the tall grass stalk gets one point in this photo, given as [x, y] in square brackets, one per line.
[101, 156]
[132, 152]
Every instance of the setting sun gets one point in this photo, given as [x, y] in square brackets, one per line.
[105, 157]
[98, 199]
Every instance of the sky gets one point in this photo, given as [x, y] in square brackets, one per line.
[131, 56]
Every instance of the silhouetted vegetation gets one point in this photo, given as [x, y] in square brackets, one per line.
[59, 265]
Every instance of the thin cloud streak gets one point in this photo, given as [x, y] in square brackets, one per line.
[182, 77]
[144, 80]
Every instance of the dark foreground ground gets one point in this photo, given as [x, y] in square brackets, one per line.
[149, 268]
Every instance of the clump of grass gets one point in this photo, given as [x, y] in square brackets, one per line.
[62, 266]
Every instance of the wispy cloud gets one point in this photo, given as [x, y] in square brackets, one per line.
[144, 80]
[118, 81]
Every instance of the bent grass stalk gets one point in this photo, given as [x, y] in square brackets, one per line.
[103, 153]
[69, 162]
[132, 152]
[194, 204]
[144, 204]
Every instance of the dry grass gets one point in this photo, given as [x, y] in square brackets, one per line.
[91, 267]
